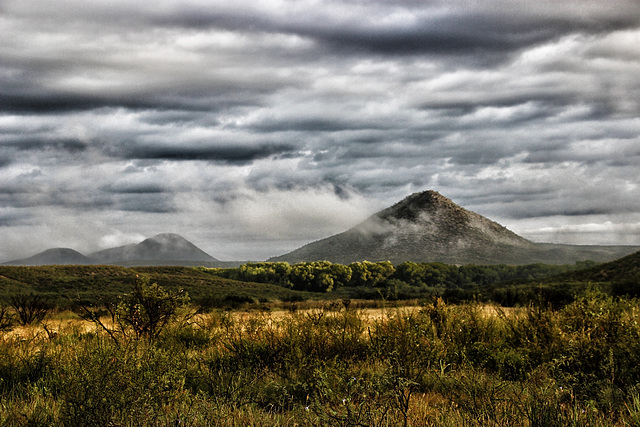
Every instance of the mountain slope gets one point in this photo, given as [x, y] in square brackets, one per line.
[625, 269]
[428, 227]
[166, 247]
[58, 256]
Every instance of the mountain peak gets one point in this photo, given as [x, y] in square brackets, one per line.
[423, 227]
[162, 247]
[428, 227]
[167, 238]
[433, 213]
[60, 256]
[428, 196]
[411, 207]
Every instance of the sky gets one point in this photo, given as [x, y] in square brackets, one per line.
[254, 127]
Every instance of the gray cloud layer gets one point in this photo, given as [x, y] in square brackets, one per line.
[252, 128]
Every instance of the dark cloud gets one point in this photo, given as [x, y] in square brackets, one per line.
[43, 103]
[430, 29]
[27, 143]
[479, 36]
[13, 219]
[209, 152]
[318, 125]
[146, 202]
[133, 188]
[5, 160]
[46, 102]
[260, 127]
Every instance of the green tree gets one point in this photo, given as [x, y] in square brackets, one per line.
[370, 274]
[149, 308]
[410, 273]
[318, 276]
[341, 275]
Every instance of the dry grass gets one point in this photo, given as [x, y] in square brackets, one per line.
[470, 365]
[68, 320]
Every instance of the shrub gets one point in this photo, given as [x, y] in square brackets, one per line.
[105, 384]
[149, 308]
[145, 311]
[30, 308]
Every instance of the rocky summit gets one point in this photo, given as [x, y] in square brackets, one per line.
[428, 227]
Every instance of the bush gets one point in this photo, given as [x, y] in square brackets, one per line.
[453, 365]
[149, 308]
[30, 308]
[101, 383]
[145, 311]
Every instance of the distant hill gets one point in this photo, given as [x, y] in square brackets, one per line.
[163, 249]
[428, 227]
[65, 284]
[626, 269]
[59, 256]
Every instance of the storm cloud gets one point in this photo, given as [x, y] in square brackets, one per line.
[252, 128]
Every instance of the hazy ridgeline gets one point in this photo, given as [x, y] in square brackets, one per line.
[151, 360]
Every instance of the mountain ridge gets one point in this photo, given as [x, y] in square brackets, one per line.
[429, 227]
[625, 269]
[162, 249]
[422, 227]
[60, 256]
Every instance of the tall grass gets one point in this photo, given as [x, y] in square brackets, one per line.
[437, 365]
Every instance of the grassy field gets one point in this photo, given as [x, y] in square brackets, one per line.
[160, 346]
[65, 286]
[330, 364]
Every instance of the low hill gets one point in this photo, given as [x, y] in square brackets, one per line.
[60, 256]
[626, 269]
[428, 227]
[66, 284]
[163, 247]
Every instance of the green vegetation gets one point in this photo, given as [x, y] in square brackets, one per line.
[438, 364]
[67, 286]
[159, 346]
[319, 276]
[410, 280]
[145, 311]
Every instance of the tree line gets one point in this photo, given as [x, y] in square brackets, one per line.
[324, 276]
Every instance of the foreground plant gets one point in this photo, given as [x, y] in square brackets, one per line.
[150, 307]
[145, 311]
[441, 365]
[30, 308]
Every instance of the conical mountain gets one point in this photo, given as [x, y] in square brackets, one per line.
[428, 227]
[159, 249]
[55, 256]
